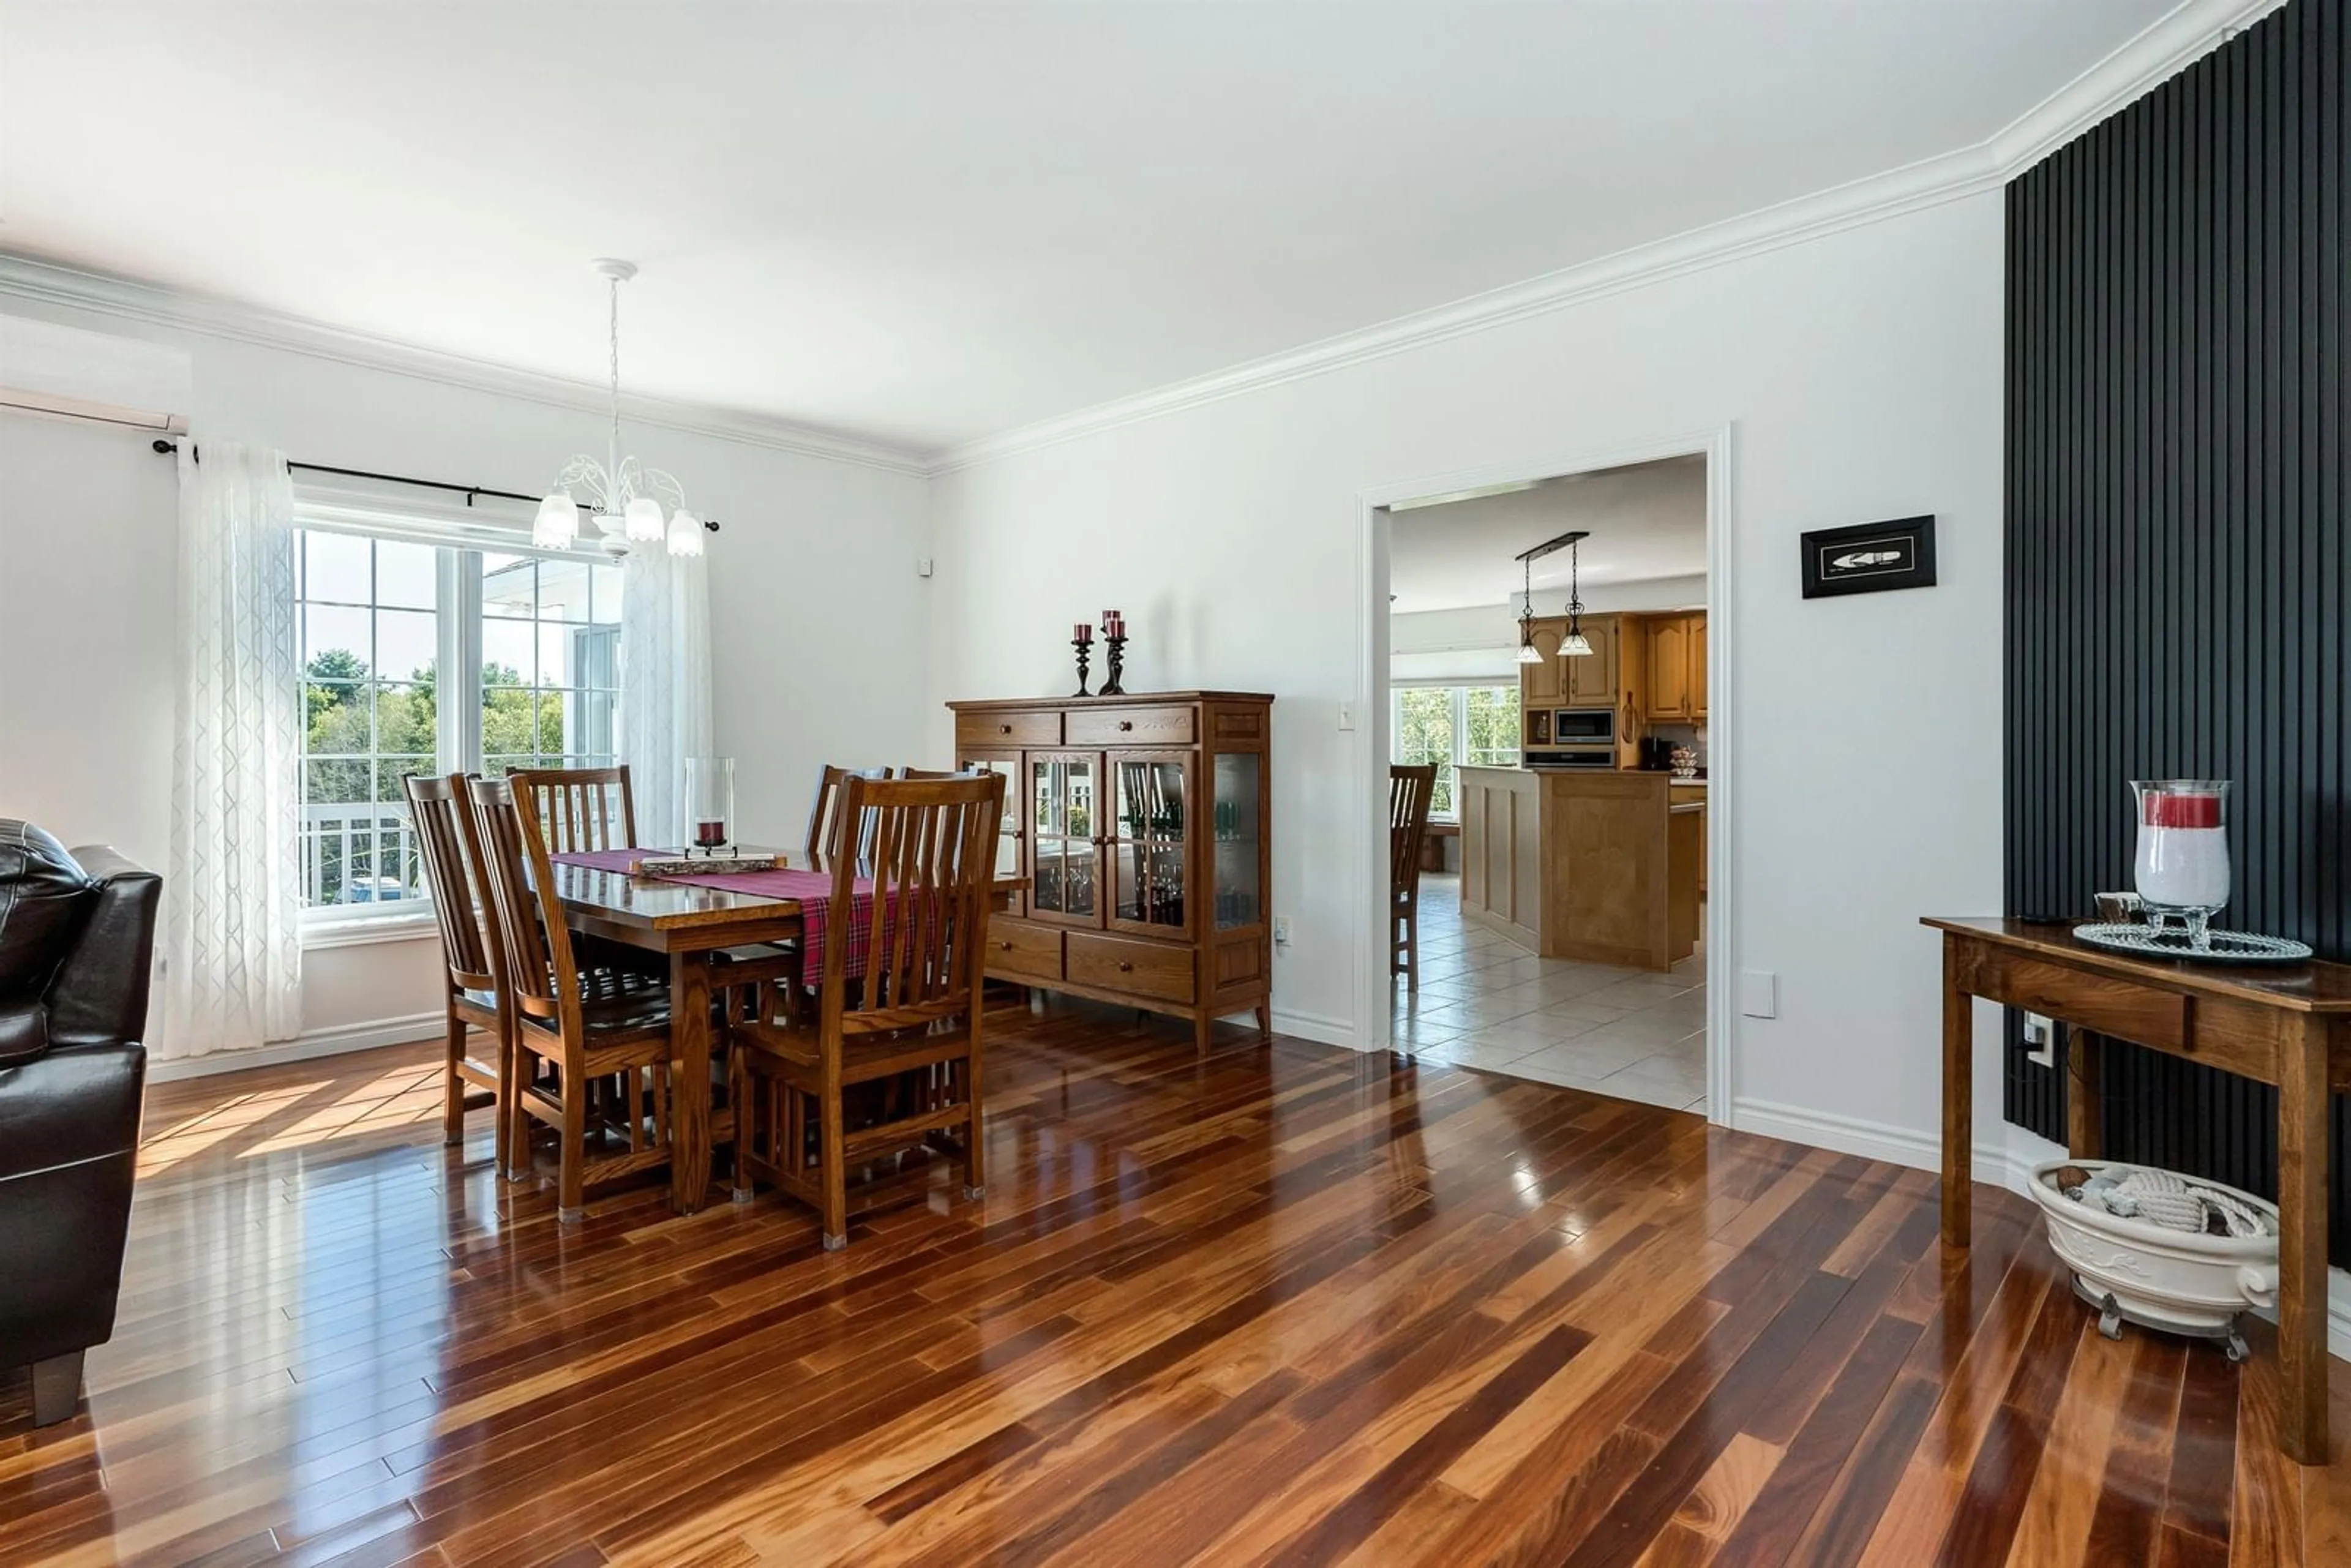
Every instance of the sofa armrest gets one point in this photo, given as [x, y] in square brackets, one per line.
[68, 1107]
[99, 993]
[68, 1156]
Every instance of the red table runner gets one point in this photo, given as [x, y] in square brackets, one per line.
[811, 889]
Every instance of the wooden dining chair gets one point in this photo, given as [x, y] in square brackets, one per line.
[571, 1027]
[442, 817]
[582, 807]
[1411, 791]
[825, 814]
[914, 1015]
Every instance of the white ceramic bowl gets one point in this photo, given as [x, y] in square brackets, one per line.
[2172, 1279]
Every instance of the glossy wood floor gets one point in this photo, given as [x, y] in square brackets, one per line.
[1289, 1305]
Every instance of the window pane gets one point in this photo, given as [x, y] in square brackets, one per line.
[343, 639]
[555, 654]
[563, 589]
[1492, 737]
[335, 566]
[407, 641]
[406, 574]
[510, 585]
[509, 654]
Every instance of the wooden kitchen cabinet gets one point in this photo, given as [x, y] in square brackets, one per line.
[1669, 693]
[1544, 684]
[1592, 679]
[1697, 668]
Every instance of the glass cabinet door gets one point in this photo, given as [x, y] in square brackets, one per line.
[1009, 835]
[1064, 820]
[1239, 833]
[1149, 839]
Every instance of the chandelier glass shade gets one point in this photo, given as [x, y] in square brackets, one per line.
[1575, 644]
[631, 504]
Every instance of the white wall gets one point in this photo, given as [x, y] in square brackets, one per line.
[1860, 372]
[817, 615]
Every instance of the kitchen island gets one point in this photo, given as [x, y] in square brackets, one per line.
[1600, 866]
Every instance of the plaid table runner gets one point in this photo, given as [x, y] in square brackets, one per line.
[812, 890]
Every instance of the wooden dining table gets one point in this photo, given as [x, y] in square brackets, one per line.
[687, 924]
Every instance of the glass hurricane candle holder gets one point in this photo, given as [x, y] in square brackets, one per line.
[710, 803]
[2182, 865]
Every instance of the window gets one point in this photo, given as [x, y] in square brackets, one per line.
[537, 641]
[1451, 726]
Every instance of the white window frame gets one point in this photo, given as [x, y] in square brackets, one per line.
[1460, 689]
[462, 536]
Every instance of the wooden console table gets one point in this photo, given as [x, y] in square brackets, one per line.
[2282, 1025]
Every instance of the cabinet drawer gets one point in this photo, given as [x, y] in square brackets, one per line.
[974, 730]
[1015, 947]
[1147, 968]
[1131, 726]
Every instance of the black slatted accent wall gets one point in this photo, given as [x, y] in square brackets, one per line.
[2177, 571]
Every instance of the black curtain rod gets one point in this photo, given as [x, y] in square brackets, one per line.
[468, 491]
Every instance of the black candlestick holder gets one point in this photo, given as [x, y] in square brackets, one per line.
[1111, 689]
[1084, 649]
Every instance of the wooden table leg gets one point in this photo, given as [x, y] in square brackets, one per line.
[1959, 1098]
[2085, 1120]
[2302, 1242]
[689, 1049]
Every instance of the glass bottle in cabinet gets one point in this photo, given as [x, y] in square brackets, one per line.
[1149, 842]
[1240, 898]
[1062, 807]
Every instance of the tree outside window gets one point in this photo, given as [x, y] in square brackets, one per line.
[1451, 726]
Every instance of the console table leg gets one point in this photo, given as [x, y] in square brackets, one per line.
[2302, 1242]
[1958, 1099]
[2084, 1124]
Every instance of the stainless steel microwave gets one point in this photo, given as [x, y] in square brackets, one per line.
[1583, 727]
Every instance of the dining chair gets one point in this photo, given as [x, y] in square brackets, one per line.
[442, 818]
[825, 815]
[570, 1027]
[582, 807]
[914, 1015]
[1411, 790]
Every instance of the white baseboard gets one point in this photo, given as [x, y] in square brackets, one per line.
[2008, 1166]
[1318, 1029]
[303, 1047]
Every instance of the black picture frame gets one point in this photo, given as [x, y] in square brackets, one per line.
[1832, 570]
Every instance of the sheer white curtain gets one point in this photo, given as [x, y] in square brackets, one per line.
[232, 898]
[664, 683]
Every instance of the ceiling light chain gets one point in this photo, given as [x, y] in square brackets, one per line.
[1527, 654]
[1575, 644]
[625, 496]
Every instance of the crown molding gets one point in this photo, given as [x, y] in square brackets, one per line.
[47, 283]
[2181, 36]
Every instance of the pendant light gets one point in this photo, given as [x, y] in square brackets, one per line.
[1575, 644]
[1527, 651]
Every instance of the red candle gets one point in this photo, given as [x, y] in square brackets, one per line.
[710, 835]
[1082, 632]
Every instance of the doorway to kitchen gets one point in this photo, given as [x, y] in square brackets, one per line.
[1548, 659]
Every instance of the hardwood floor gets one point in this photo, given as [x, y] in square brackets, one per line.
[1285, 1303]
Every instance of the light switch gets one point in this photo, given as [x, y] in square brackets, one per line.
[1759, 993]
[1346, 716]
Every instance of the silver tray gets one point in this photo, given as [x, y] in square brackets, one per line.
[2171, 941]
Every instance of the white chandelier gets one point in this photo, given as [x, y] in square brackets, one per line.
[625, 496]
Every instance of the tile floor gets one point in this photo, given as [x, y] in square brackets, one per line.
[1485, 1002]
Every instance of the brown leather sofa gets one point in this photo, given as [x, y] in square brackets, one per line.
[77, 937]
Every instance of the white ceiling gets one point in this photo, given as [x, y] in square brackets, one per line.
[1646, 521]
[923, 224]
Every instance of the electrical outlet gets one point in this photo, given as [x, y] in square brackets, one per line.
[922, 566]
[1282, 929]
[2040, 1037]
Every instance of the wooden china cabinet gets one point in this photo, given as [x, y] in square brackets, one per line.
[1143, 826]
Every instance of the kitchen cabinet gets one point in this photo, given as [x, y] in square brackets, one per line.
[1544, 683]
[1669, 691]
[1592, 679]
[1697, 668]
[1695, 795]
